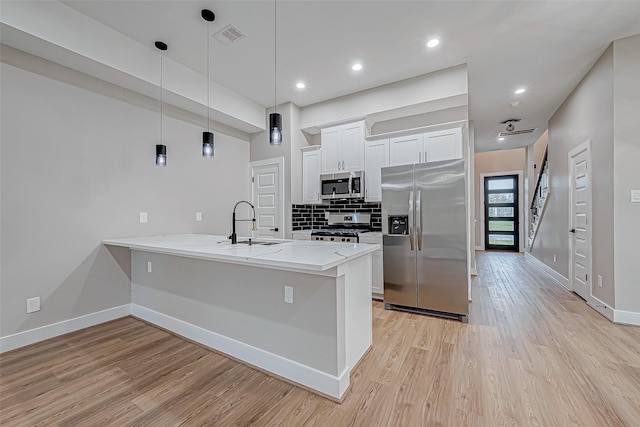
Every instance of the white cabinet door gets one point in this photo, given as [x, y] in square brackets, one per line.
[331, 161]
[443, 145]
[352, 147]
[377, 275]
[376, 156]
[311, 161]
[405, 150]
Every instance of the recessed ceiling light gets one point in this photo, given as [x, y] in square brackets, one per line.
[356, 67]
[521, 90]
[500, 139]
[433, 43]
[301, 85]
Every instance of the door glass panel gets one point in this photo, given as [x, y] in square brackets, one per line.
[500, 225]
[501, 240]
[501, 198]
[500, 212]
[501, 184]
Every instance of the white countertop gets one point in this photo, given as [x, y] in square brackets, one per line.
[290, 254]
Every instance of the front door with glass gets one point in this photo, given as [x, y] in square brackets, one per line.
[501, 213]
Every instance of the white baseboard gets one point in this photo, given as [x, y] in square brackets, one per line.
[601, 307]
[330, 385]
[32, 336]
[626, 317]
[548, 270]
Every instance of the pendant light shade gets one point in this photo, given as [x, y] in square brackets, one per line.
[207, 144]
[207, 137]
[275, 129]
[275, 119]
[161, 155]
[161, 149]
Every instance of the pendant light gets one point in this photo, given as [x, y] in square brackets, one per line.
[207, 137]
[161, 150]
[275, 119]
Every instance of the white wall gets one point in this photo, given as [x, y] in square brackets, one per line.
[495, 163]
[586, 114]
[78, 167]
[626, 175]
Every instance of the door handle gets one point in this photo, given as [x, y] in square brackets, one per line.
[273, 229]
[573, 230]
[419, 220]
[411, 219]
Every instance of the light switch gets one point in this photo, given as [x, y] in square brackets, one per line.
[198, 216]
[288, 294]
[635, 196]
[143, 217]
[33, 304]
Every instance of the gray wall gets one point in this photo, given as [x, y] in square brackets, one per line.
[586, 114]
[626, 90]
[77, 167]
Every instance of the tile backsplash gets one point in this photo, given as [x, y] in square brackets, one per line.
[313, 216]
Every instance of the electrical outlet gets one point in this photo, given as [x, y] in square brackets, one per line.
[635, 196]
[33, 304]
[555, 258]
[599, 281]
[198, 216]
[149, 267]
[143, 217]
[288, 294]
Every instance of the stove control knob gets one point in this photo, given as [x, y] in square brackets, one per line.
[332, 239]
[317, 238]
[343, 239]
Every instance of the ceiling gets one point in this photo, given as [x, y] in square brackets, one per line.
[543, 46]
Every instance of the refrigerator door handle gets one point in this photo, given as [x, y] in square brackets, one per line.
[419, 220]
[411, 219]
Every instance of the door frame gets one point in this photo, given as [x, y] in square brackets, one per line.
[278, 161]
[585, 146]
[520, 174]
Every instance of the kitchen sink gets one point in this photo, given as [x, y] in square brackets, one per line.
[257, 242]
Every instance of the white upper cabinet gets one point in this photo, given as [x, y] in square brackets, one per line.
[427, 147]
[343, 148]
[443, 145]
[405, 150]
[376, 156]
[311, 164]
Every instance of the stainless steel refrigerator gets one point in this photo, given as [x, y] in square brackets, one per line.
[424, 228]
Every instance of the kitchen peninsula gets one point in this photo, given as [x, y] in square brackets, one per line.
[300, 310]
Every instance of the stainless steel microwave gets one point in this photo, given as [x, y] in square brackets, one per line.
[346, 185]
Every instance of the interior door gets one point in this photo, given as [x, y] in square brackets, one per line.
[501, 228]
[580, 232]
[267, 188]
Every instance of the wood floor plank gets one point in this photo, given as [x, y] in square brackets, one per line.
[533, 354]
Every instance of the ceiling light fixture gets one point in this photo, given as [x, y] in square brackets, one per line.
[207, 137]
[521, 90]
[161, 150]
[356, 67]
[301, 85]
[275, 119]
[433, 43]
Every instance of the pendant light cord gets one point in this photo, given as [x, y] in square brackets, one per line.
[161, 102]
[275, 56]
[208, 77]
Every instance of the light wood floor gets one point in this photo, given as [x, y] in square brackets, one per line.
[532, 354]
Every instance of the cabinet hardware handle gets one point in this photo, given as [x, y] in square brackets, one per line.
[274, 229]
[338, 164]
[420, 157]
[343, 165]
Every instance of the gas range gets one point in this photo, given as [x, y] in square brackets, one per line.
[337, 230]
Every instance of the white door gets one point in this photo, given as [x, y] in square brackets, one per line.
[331, 162]
[267, 189]
[376, 156]
[311, 176]
[443, 145]
[405, 150]
[579, 221]
[352, 147]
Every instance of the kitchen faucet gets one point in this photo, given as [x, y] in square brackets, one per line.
[234, 236]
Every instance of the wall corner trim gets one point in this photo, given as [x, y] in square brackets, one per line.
[32, 336]
[289, 370]
[548, 270]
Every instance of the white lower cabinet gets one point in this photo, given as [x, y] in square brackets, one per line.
[377, 272]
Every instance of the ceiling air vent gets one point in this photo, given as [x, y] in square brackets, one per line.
[515, 132]
[228, 35]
